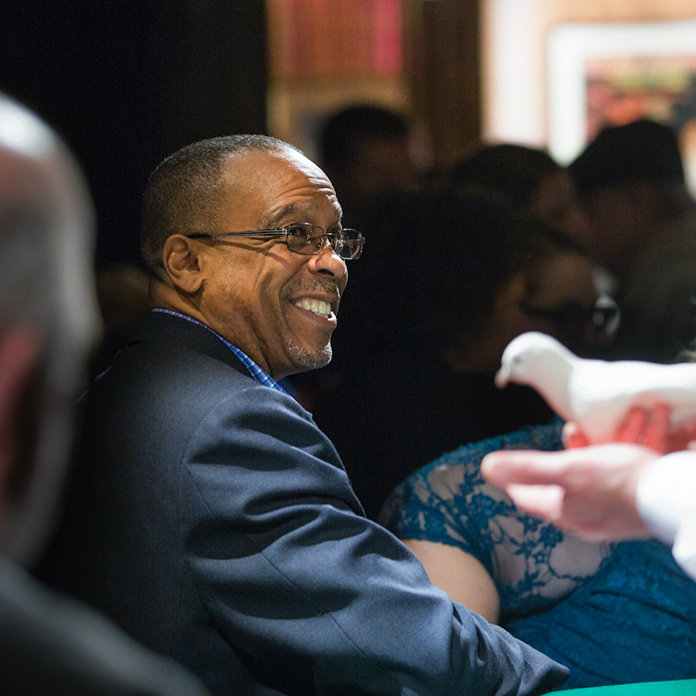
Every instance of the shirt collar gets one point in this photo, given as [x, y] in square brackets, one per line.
[258, 373]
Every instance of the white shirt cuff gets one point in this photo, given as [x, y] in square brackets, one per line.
[666, 501]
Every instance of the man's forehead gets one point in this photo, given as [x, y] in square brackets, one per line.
[284, 181]
[303, 211]
[272, 157]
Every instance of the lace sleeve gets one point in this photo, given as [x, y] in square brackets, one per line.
[532, 562]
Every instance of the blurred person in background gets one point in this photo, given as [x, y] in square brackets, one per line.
[464, 275]
[366, 152]
[532, 182]
[48, 324]
[526, 178]
[642, 229]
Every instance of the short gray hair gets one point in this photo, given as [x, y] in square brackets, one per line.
[183, 193]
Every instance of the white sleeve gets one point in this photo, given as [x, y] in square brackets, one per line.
[666, 500]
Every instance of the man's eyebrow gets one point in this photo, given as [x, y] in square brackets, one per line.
[290, 210]
[285, 212]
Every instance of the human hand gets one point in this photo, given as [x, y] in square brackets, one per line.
[650, 428]
[590, 491]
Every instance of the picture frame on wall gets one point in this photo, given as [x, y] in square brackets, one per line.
[614, 73]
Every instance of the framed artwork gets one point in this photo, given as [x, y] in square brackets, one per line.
[614, 73]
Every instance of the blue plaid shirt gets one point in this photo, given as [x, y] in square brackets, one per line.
[258, 373]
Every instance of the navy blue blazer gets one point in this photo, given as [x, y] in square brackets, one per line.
[211, 519]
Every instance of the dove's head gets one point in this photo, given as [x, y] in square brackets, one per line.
[528, 356]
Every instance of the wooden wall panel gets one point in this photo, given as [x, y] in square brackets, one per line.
[311, 39]
[443, 70]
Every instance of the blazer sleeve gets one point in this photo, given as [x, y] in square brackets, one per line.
[285, 563]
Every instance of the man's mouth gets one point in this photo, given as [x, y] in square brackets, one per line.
[318, 307]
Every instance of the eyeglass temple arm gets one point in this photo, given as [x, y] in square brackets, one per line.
[249, 233]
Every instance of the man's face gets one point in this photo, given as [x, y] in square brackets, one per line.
[278, 306]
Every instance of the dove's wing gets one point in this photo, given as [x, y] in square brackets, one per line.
[603, 392]
[600, 397]
[647, 377]
[674, 385]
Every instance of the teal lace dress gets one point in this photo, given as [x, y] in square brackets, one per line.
[612, 613]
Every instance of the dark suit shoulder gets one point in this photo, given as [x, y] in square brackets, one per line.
[172, 365]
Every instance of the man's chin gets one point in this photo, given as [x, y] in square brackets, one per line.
[305, 359]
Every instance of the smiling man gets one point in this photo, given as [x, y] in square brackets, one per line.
[208, 515]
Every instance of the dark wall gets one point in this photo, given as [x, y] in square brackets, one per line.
[128, 82]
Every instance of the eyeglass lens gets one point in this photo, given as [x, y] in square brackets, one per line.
[309, 239]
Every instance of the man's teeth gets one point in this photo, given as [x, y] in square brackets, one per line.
[320, 308]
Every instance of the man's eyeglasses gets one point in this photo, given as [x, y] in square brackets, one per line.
[305, 238]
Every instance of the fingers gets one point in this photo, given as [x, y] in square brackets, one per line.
[647, 427]
[683, 438]
[531, 467]
[574, 437]
[540, 501]
[572, 469]
[657, 428]
[640, 427]
[633, 427]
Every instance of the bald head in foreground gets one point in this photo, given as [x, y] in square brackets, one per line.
[48, 324]
[209, 516]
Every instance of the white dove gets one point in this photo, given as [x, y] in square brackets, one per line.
[597, 394]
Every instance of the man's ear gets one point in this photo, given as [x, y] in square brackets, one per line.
[182, 261]
[20, 353]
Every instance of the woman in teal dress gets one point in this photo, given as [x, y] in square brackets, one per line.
[612, 613]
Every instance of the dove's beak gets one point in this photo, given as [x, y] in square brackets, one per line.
[502, 377]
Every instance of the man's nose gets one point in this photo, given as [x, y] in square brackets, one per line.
[327, 261]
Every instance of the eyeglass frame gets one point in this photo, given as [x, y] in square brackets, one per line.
[330, 237]
[604, 314]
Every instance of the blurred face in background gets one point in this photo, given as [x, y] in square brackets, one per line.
[556, 203]
[621, 221]
[560, 300]
[379, 165]
[556, 295]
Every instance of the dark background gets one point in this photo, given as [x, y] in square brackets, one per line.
[127, 83]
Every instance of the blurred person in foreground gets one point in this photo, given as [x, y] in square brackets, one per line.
[48, 324]
[208, 514]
